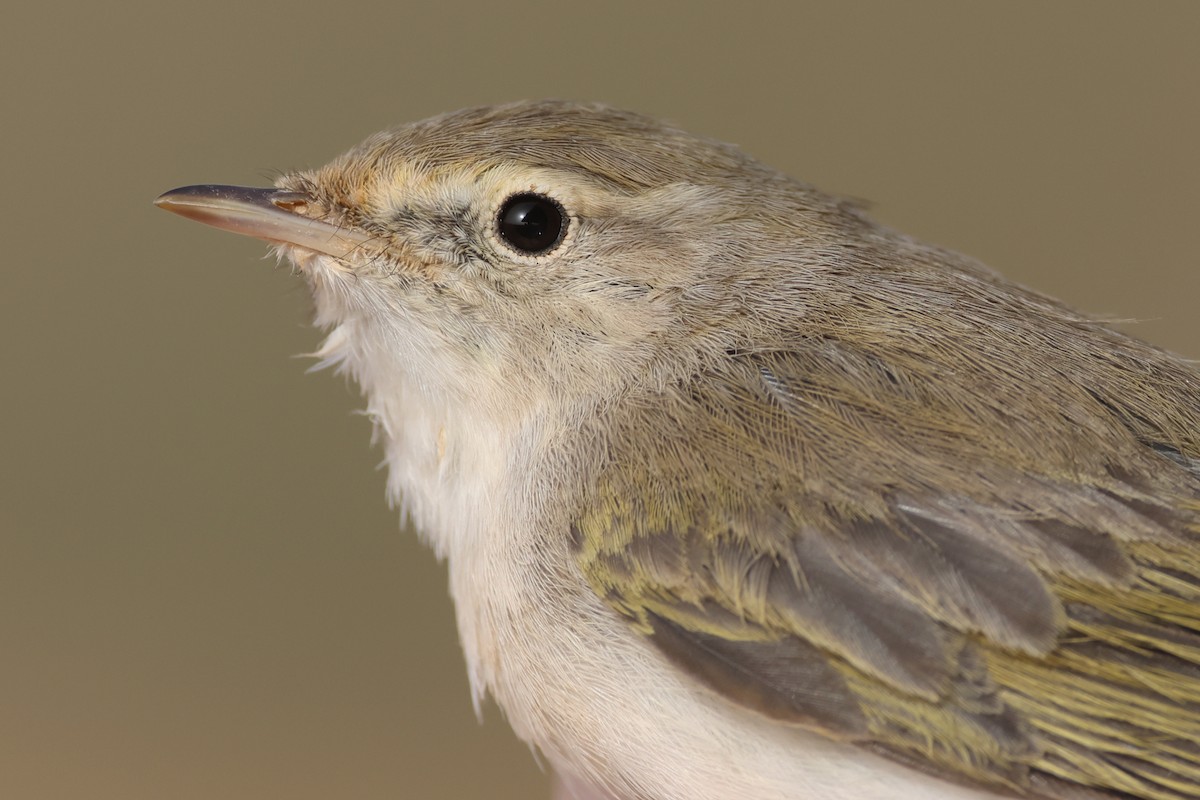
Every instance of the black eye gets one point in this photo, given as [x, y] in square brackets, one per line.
[532, 223]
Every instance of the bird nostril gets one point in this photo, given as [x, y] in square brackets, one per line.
[295, 202]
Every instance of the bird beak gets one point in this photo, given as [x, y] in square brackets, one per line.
[275, 215]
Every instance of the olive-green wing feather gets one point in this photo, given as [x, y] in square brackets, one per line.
[1000, 588]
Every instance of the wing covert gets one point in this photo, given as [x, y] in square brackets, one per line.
[958, 604]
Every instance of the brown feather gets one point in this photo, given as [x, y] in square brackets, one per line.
[1002, 600]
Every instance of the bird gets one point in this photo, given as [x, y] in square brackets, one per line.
[744, 495]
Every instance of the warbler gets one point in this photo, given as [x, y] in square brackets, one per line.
[743, 495]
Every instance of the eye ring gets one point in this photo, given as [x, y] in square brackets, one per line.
[531, 223]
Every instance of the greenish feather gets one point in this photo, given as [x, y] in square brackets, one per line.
[1002, 589]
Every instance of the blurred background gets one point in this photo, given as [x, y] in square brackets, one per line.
[203, 593]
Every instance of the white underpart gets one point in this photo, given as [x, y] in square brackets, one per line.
[573, 678]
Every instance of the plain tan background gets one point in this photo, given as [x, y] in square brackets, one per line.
[202, 591]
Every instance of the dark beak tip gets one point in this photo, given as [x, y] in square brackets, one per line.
[172, 199]
[202, 190]
[270, 214]
[217, 194]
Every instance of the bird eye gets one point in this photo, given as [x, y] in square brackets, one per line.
[532, 223]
